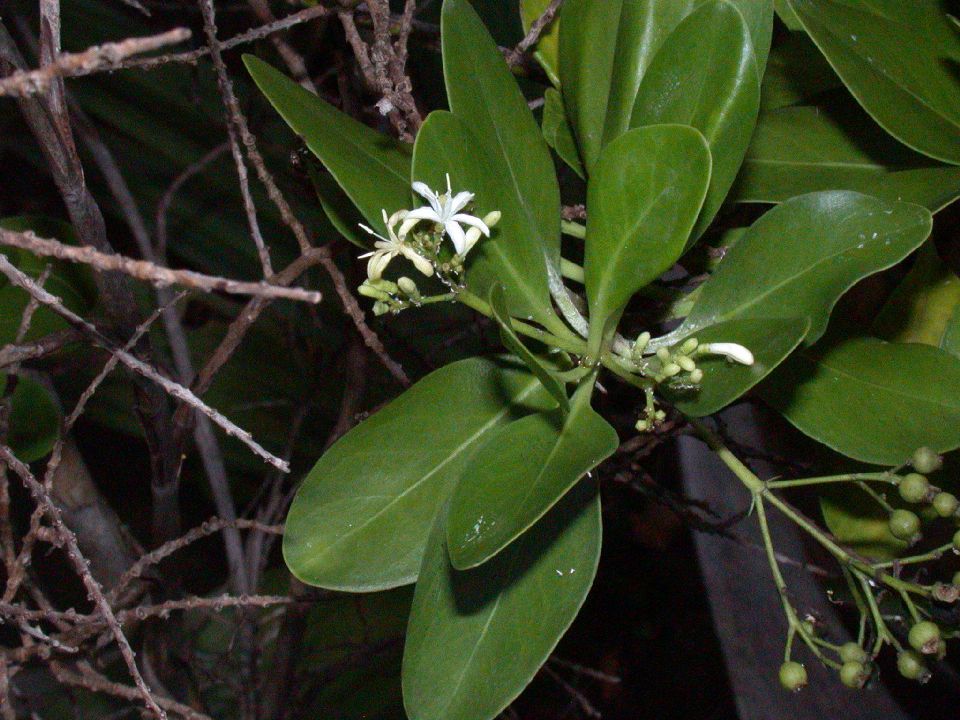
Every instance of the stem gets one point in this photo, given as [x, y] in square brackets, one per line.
[573, 229]
[849, 477]
[571, 271]
[877, 497]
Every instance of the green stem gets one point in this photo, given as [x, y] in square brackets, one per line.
[877, 497]
[849, 477]
[573, 229]
[934, 554]
[571, 271]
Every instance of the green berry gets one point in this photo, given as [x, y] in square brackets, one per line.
[793, 676]
[911, 666]
[924, 637]
[914, 488]
[925, 460]
[854, 674]
[945, 504]
[904, 524]
[852, 652]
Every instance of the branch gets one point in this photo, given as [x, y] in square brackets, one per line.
[97, 58]
[515, 56]
[150, 272]
[172, 388]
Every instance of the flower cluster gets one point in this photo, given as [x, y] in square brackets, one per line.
[407, 236]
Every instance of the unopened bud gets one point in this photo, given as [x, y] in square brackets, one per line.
[370, 291]
[670, 369]
[492, 218]
[408, 287]
[643, 339]
[689, 345]
[686, 364]
[663, 355]
[696, 376]
[380, 308]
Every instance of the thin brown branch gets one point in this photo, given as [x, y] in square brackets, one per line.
[537, 27]
[16, 353]
[172, 388]
[98, 58]
[150, 272]
[42, 498]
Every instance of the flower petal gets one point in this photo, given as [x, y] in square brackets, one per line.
[474, 221]
[427, 194]
[459, 202]
[457, 236]
[424, 213]
[420, 262]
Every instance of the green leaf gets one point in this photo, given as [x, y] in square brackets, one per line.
[706, 76]
[787, 15]
[642, 202]
[606, 47]
[360, 520]
[34, 419]
[548, 44]
[951, 336]
[372, 169]
[857, 521]
[923, 305]
[801, 256]
[557, 132]
[484, 96]
[770, 340]
[796, 73]
[475, 639]
[870, 400]
[498, 304]
[834, 145]
[339, 209]
[520, 472]
[512, 255]
[899, 59]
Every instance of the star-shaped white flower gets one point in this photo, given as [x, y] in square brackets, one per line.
[387, 248]
[445, 210]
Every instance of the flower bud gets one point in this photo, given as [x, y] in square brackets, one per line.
[686, 364]
[368, 290]
[380, 308]
[643, 339]
[492, 218]
[408, 287]
[696, 376]
[689, 345]
[670, 369]
[663, 355]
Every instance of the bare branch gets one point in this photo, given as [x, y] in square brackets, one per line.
[98, 58]
[150, 272]
[515, 56]
[172, 388]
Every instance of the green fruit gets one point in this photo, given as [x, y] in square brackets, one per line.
[924, 637]
[852, 652]
[793, 676]
[854, 674]
[956, 541]
[925, 460]
[911, 666]
[945, 504]
[914, 488]
[904, 524]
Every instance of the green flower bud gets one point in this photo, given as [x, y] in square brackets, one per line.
[925, 460]
[670, 369]
[686, 364]
[663, 355]
[380, 308]
[852, 652]
[945, 504]
[689, 345]
[642, 425]
[914, 488]
[924, 637]
[912, 667]
[643, 339]
[904, 524]
[492, 218]
[696, 376]
[793, 676]
[854, 674]
[375, 293]
[660, 415]
[409, 288]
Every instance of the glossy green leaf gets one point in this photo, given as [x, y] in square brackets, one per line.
[339, 209]
[951, 336]
[796, 74]
[900, 60]
[606, 47]
[835, 146]
[360, 520]
[787, 15]
[870, 400]
[498, 305]
[511, 255]
[857, 521]
[801, 256]
[548, 44]
[642, 202]
[502, 131]
[476, 638]
[34, 422]
[923, 305]
[770, 340]
[520, 472]
[706, 76]
[557, 132]
[373, 169]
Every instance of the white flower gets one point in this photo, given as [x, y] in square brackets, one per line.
[731, 350]
[388, 248]
[445, 210]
